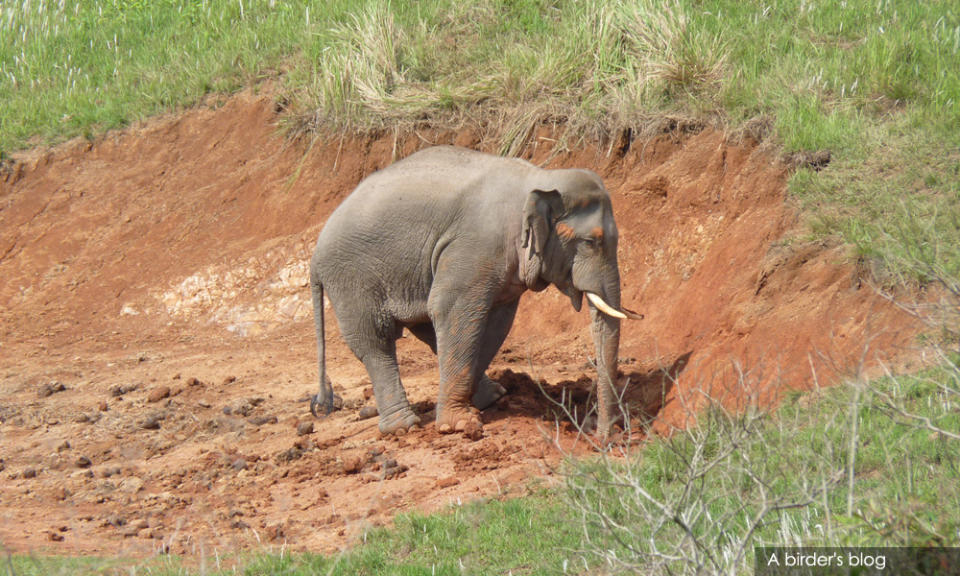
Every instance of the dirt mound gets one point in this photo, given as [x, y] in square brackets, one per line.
[157, 347]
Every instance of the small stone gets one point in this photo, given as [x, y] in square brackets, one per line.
[84, 462]
[352, 463]
[30, 473]
[102, 406]
[447, 482]
[304, 428]
[139, 524]
[151, 423]
[261, 420]
[193, 382]
[367, 412]
[109, 471]
[239, 464]
[158, 394]
[289, 455]
[368, 393]
[229, 380]
[130, 485]
[50, 388]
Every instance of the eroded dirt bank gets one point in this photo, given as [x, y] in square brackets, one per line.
[157, 342]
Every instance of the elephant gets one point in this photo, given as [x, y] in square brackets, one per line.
[444, 243]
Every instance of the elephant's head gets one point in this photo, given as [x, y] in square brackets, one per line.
[569, 239]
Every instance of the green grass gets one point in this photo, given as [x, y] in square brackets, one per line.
[526, 536]
[853, 465]
[875, 82]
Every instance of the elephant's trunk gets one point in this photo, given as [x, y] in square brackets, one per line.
[606, 339]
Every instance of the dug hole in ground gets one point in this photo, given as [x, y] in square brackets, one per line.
[158, 349]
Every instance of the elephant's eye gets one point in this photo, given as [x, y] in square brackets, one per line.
[592, 242]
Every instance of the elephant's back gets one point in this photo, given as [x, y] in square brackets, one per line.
[395, 219]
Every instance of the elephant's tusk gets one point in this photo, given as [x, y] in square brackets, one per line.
[602, 306]
[632, 315]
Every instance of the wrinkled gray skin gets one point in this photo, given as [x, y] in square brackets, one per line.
[444, 243]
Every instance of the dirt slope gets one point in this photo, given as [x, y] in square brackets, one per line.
[156, 343]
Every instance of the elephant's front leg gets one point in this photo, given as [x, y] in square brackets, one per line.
[499, 321]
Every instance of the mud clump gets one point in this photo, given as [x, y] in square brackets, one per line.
[158, 394]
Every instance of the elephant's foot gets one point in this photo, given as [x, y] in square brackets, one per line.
[458, 419]
[487, 393]
[400, 422]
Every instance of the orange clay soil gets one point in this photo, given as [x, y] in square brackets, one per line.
[157, 347]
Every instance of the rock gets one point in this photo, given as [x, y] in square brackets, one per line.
[391, 469]
[368, 393]
[229, 380]
[29, 473]
[352, 463]
[108, 471]
[367, 412]
[50, 388]
[152, 422]
[102, 406]
[289, 455]
[447, 482]
[158, 394]
[261, 420]
[139, 524]
[304, 428]
[193, 382]
[84, 462]
[118, 391]
[239, 464]
[130, 485]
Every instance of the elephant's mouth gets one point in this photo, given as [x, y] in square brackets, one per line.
[576, 296]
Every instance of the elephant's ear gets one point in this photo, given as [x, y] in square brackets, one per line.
[538, 214]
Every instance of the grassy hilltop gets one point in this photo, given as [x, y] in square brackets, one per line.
[876, 84]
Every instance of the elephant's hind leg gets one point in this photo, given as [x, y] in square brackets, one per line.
[379, 356]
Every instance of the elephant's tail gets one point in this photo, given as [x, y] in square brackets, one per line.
[325, 397]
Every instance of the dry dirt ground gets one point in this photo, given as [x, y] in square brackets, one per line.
[157, 348]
